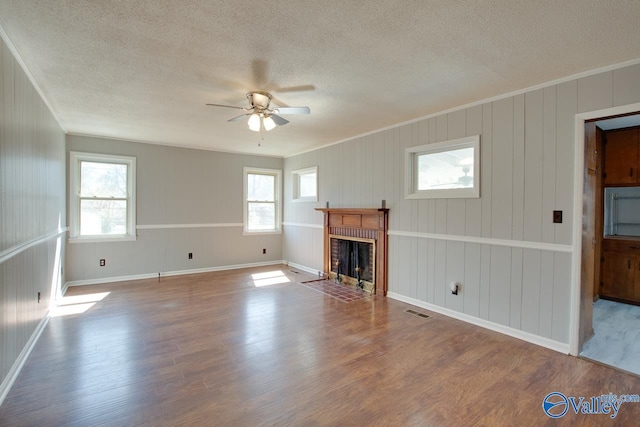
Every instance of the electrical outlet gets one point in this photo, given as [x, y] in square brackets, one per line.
[264, 251]
[103, 262]
[190, 255]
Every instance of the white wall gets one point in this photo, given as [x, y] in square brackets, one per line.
[32, 212]
[177, 188]
[521, 281]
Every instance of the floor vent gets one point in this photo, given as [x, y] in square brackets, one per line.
[417, 313]
[293, 271]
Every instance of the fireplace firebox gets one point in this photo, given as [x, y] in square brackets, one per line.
[355, 247]
[353, 261]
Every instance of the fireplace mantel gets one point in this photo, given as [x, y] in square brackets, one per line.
[370, 223]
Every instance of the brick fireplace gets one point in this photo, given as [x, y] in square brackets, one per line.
[355, 247]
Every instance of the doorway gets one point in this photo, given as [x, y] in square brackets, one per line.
[609, 303]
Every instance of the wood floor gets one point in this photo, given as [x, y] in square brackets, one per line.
[214, 349]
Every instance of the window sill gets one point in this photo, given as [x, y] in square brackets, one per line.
[102, 239]
[452, 193]
[261, 233]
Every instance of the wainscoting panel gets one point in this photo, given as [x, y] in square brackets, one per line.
[526, 289]
[522, 277]
[32, 214]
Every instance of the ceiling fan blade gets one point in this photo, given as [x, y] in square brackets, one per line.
[280, 121]
[292, 110]
[238, 118]
[226, 106]
[301, 88]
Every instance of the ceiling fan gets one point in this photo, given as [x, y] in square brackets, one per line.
[462, 181]
[262, 115]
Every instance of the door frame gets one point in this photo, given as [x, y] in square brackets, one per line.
[578, 183]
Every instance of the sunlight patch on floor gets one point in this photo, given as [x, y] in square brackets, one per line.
[269, 278]
[77, 304]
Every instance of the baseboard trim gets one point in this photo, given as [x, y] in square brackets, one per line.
[304, 268]
[11, 377]
[506, 330]
[89, 282]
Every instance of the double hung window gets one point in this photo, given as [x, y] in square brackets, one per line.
[261, 200]
[102, 197]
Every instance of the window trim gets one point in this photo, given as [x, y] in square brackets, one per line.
[74, 196]
[295, 180]
[277, 202]
[411, 175]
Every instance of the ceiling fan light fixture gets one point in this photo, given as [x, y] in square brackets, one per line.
[254, 122]
[269, 123]
[466, 161]
[261, 116]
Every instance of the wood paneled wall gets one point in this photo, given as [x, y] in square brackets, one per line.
[527, 145]
[177, 187]
[32, 209]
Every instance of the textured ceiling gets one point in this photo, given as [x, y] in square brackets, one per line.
[144, 70]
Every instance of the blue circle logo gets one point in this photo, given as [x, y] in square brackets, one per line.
[555, 404]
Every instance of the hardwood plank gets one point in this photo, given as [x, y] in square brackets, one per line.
[214, 349]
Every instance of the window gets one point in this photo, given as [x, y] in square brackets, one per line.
[449, 169]
[621, 207]
[261, 200]
[102, 197]
[305, 184]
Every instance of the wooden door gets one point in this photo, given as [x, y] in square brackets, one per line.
[619, 275]
[621, 157]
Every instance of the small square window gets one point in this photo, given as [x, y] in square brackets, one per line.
[305, 184]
